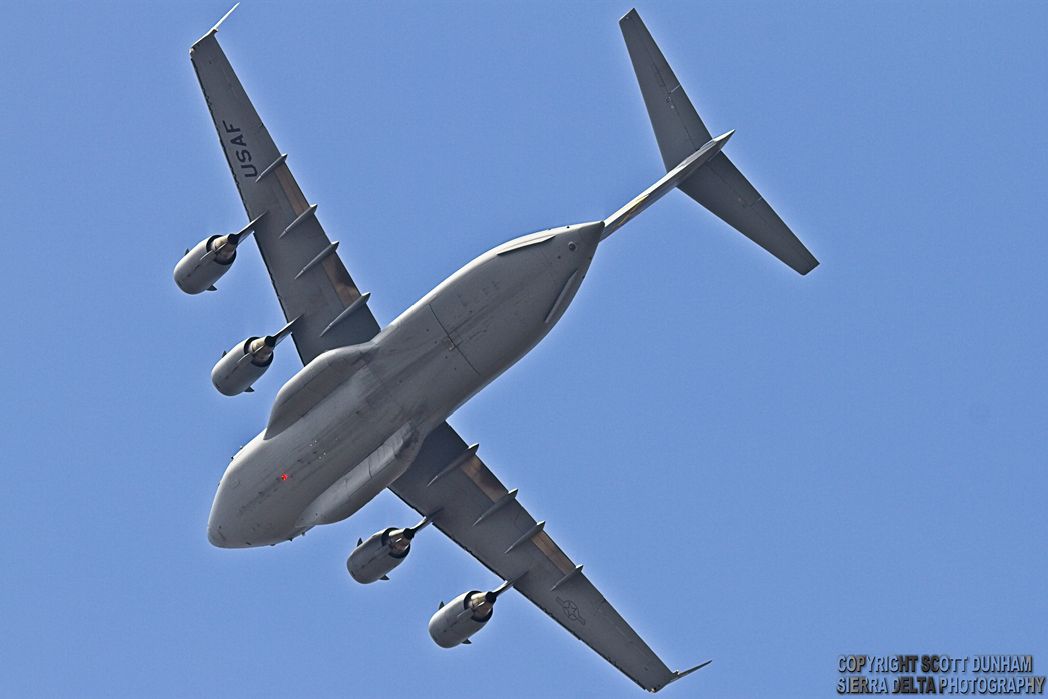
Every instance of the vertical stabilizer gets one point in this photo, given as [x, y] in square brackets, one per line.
[678, 128]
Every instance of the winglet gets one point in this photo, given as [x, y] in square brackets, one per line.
[679, 675]
[217, 24]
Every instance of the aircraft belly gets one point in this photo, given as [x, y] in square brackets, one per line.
[338, 453]
[495, 315]
[423, 368]
[364, 481]
[419, 378]
[257, 505]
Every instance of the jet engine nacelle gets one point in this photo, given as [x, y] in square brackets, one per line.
[373, 559]
[462, 617]
[242, 366]
[383, 551]
[465, 615]
[245, 363]
[206, 262]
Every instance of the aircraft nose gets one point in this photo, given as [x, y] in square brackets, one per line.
[214, 535]
[218, 519]
[214, 528]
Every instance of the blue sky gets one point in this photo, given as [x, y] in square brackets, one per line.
[755, 467]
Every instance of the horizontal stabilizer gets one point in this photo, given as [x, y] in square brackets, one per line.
[722, 189]
[678, 128]
[718, 185]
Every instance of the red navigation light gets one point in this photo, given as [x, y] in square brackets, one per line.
[283, 476]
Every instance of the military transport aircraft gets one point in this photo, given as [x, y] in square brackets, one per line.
[369, 409]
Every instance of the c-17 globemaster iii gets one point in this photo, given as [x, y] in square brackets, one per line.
[369, 409]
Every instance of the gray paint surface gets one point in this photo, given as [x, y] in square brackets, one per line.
[369, 409]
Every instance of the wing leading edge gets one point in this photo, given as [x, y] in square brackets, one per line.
[479, 514]
[310, 280]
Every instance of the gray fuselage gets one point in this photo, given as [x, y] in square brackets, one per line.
[321, 463]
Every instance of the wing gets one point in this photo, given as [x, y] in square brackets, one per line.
[481, 516]
[311, 282]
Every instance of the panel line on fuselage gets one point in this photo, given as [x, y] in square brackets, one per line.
[452, 340]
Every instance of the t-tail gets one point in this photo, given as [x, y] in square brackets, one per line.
[694, 159]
